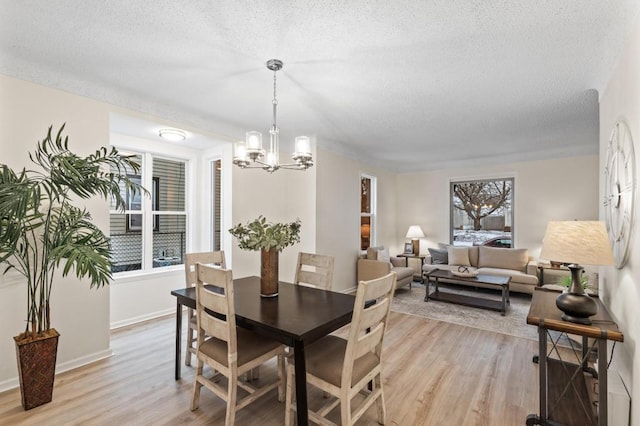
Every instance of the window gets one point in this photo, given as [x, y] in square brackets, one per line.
[216, 171]
[367, 211]
[151, 233]
[482, 212]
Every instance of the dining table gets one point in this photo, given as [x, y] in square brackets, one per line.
[296, 317]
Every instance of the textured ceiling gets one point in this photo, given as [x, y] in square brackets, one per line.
[411, 85]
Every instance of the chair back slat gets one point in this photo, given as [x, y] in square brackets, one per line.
[221, 326]
[369, 342]
[209, 257]
[315, 270]
[375, 289]
[213, 326]
[374, 318]
[373, 315]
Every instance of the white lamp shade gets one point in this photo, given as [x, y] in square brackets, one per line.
[254, 141]
[240, 151]
[415, 231]
[302, 146]
[579, 242]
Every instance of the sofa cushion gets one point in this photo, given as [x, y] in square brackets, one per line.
[473, 255]
[403, 272]
[439, 256]
[505, 258]
[458, 256]
[372, 252]
[516, 276]
[398, 261]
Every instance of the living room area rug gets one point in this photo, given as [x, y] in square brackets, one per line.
[514, 323]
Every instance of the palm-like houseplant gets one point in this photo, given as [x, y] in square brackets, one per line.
[42, 230]
[270, 239]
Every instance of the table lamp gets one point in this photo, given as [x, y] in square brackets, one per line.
[415, 233]
[574, 243]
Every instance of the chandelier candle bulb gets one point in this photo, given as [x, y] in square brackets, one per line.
[254, 141]
[271, 159]
[303, 146]
[240, 151]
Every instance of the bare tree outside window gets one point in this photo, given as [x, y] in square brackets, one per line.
[482, 212]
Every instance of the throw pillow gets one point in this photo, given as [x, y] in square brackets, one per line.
[504, 258]
[439, 256]
[384, 255]
[458, 256]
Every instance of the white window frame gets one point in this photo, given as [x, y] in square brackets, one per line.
[146, 177]
[373, 215]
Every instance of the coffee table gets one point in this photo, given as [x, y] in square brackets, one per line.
[499, 282]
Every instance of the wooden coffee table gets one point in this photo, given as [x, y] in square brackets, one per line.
[499, 282]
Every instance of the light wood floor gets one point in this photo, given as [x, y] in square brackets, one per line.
[436, 373]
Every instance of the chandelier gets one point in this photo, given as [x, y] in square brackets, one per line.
[249, 154]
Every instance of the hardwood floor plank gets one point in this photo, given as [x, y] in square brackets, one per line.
[435, 373]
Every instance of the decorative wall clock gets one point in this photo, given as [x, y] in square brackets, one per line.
[620, 190]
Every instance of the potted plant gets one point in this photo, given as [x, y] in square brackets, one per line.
[270, 239]
[42, 230]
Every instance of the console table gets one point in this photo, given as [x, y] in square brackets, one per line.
[563, 395]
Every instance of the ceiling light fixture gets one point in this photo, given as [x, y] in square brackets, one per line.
[173, 135]
[249, 154]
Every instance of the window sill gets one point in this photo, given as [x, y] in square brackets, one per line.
[134, 276]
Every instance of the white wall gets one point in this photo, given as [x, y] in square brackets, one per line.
[621, 288]
[562, 189]
[281, 196]
[79, 313]
[338, 213]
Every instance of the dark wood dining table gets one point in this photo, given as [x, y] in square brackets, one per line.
[298, 316]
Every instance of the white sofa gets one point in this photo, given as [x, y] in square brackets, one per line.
[487, 260]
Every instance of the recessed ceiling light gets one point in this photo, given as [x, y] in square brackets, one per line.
[173, 135]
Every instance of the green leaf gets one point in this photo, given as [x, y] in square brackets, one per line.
[260, 234]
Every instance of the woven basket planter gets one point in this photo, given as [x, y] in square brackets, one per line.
[36, 368]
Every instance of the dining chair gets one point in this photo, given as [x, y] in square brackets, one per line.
[314, 270]
[345, 367]
[191, 259]
[228, 350]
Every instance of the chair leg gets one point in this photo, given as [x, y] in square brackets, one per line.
[282, 378]
[232, 394]
[382, 412]
[345, 407]
[288, 418]
[191, 338]
[195, 400]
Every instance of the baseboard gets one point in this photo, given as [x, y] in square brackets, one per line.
[141, 318]
[62, 367]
